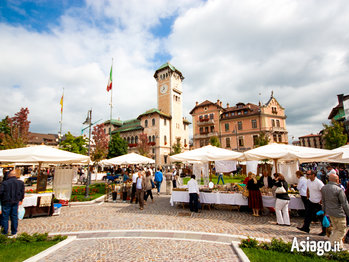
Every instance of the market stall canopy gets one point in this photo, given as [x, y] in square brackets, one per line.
[40, 154]
[128, 159]
[205, 154]
[344, 158]
[282, 152]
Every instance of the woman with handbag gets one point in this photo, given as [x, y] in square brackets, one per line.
[282, 201]
[254, 195]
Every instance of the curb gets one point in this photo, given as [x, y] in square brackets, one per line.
[50, 250]
[87, 202]
[240, 253]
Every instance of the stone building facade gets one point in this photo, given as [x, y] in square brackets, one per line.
[163, 125]
[238, 126]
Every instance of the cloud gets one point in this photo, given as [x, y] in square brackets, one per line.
[234, 50]
[227, 50]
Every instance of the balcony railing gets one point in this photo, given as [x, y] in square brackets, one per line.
[205, 121]
[205, 134]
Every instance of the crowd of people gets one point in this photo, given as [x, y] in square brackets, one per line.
[322, 193]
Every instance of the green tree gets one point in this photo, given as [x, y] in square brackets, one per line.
[74, 144]
[214, 141]
[334, 135]
[176, 147]
[262, 139]
[117, 146]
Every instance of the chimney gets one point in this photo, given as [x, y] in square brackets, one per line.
[196, 103]
[217, 102]
[340, 98]
[220, 103]
[227, 105]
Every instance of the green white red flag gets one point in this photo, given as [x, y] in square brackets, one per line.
[110, 80]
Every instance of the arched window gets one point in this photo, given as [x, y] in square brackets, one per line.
[136, 140]
[128, 140]
[153, 121]
[132, 140]
[165, 140]
[153, 138]
[146, 123]
[149, 139]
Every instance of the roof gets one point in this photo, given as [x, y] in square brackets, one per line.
[271, 98]
[311, 135]
[154, 111]
[185, 121]
[42, 139]
[129, 125]
[250, 109]
[169, 66]
[205, 103]
[114, 122]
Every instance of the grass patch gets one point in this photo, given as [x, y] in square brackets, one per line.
[25, 246]
[261, 255]
[227, 179]
[81, 198]
[95, 191]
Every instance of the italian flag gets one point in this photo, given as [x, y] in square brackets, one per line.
[110, 80]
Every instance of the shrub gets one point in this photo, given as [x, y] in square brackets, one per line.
[249, 243]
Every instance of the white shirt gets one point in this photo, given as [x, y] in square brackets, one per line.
[302, 186]
[265, 181]
[134, 177]
[139, 183]
[193, 186]
[314, 188]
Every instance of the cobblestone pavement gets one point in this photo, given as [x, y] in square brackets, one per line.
[157, 216]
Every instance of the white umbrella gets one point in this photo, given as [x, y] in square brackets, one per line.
[344, 158]
[40, 154]
[207, 153]
[128, 159]
[284, 152]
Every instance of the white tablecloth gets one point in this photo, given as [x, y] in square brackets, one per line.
[99, 176]
[231, 199]
[31, 200]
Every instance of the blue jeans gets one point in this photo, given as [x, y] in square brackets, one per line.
[10, 211]
[219, 178]
[158, 185]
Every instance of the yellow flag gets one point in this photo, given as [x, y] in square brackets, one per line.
[61, 104]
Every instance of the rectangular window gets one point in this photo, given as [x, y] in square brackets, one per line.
[211, 116]
[280, 138]
[275, 138]
[206, 129]
[254, 123]
[202, 143]
[255, 140]
[241, 141]
[206, 116]
[201, 130]
[273, 123]
[277, 122]
[165, 122]
[226, 127]
[227, 142]
[239, 125]
[212, 129]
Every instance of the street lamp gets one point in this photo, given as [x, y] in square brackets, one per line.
[88, 121]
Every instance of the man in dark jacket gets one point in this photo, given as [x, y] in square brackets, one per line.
[11, 195]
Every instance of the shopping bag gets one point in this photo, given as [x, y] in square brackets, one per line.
[325, 222]
[21, 212]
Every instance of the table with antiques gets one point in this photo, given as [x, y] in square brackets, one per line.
[38, 204]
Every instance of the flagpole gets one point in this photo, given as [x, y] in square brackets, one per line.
[111, 101]
[61, 122]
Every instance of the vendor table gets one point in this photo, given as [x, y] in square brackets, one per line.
[231, 199]
[38, 204]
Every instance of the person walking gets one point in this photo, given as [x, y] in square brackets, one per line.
[158, 179]
[335, 205]
[314, 196]
[282, 201]
[140, 186]
[148, 186]
[11, 195]
[193, 189]
[254, 195]
[133, 192]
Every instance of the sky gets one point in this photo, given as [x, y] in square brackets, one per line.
[235, 51]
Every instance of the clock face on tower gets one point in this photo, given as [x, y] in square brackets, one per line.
[163, 89]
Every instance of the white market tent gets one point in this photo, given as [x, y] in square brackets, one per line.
[283, 152]
[128, 159]
[344, 158]
[207, 153]
[41, 154]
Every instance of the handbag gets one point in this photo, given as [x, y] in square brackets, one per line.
[21, 212]
[280, 190]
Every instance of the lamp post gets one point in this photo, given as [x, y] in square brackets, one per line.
[88, 121]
